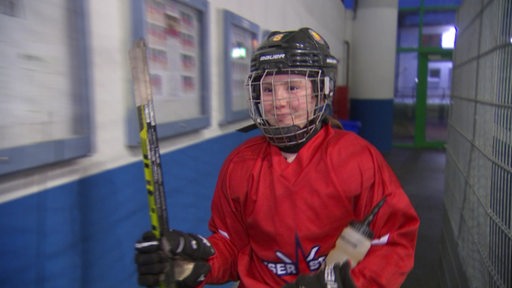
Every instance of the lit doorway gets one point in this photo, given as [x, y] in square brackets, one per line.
[439, 71]
[422, 99]
[425, 41]
[433, 99]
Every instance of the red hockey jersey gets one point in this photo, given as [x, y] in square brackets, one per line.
[273, 220]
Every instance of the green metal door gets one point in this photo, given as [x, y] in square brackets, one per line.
[432, 99]
[421, 103]
[425, 38]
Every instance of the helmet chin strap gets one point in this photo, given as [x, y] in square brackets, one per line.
[292, 131]
[294, 148]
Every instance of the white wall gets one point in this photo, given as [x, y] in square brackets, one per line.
[374, 50]
[109, 41]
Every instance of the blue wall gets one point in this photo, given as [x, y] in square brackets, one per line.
[376, 117]
[81, 234]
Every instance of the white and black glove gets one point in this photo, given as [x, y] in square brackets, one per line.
[177, 257]
[332, 276]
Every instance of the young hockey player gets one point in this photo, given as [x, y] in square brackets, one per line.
[282, 199]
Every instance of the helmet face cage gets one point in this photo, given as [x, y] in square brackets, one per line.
[293, 76]
[287, 104]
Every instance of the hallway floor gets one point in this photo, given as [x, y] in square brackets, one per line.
[421, 173]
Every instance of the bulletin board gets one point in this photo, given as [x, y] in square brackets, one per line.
[176, 33]
[241, 38]
[44, 83]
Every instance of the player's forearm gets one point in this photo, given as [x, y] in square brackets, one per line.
[390, 258]
[387, 271]
[223, 263]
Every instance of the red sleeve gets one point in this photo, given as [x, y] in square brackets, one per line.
[395, 227]
[229, 234]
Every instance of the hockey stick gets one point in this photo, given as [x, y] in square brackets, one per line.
[149, 138]
[149, 145]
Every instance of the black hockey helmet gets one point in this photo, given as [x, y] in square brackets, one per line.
[304, 48]
[302, 52]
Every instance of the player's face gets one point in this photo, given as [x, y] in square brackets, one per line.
[287, 99]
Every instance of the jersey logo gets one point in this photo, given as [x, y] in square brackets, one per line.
[287, 266]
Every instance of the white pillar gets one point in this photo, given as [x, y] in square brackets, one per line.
[373, 52]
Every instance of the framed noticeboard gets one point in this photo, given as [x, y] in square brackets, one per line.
[241, 38]
[44, 83]
[176, 33]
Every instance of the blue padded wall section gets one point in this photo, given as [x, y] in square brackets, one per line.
[114, 210]
[81, 234]
[376, 117]
[40, 244]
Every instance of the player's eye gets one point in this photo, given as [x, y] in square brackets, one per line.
[266, 89]
[293, 88]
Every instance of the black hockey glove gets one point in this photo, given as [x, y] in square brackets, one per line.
[336, 276]
[179, 256]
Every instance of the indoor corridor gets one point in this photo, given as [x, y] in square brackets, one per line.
[421, 173]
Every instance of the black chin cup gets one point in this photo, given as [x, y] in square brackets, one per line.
[282, 136]
[290, 139]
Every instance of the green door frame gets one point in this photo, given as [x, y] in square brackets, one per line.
[420, 125]
[425, 53]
